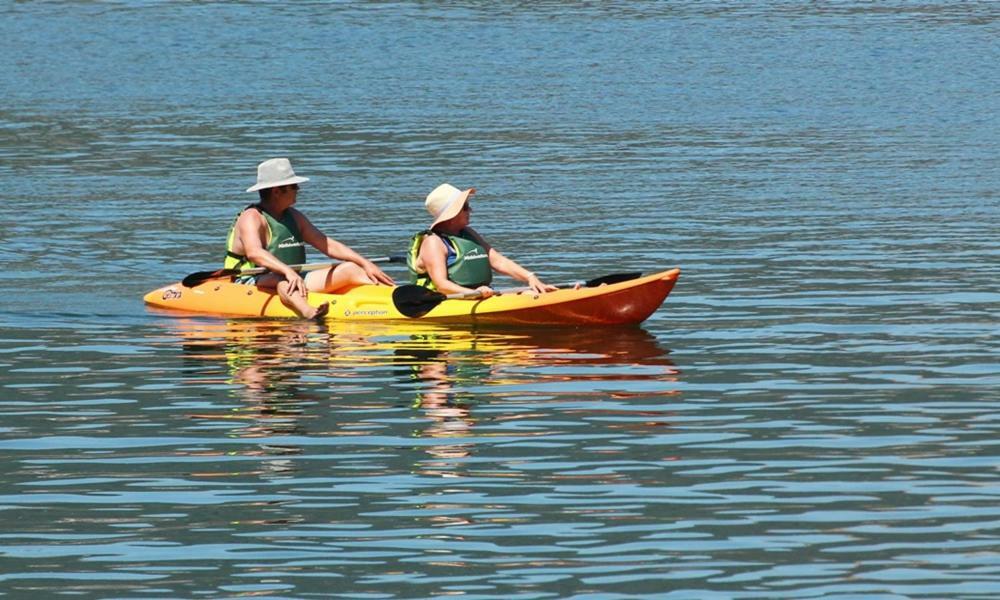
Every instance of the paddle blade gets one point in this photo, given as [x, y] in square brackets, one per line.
[195, 278]
[415, 301]
[613, 278]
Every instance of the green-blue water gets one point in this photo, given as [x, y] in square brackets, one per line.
[811, 414]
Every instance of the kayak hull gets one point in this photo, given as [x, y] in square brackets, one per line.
[622, 303]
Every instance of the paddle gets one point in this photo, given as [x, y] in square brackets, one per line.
[195, 278]
[415, 301]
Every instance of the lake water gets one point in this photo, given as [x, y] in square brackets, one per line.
[813, 413]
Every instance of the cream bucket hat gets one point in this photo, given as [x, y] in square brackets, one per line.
[446, 201]
[275, 172]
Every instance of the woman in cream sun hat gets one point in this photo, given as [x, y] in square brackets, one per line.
[452, 257]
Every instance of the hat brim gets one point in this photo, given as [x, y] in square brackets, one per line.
[453, 208]
[271, 184]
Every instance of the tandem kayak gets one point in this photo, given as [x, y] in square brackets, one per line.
[625, 302]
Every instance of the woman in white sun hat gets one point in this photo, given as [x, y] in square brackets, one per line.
[452, 257]
[273, 235]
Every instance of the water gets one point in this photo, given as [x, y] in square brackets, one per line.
[811, 414]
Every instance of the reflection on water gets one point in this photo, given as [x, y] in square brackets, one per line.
[281, 451]
[438, 378]
[281, 372]
[200, 456]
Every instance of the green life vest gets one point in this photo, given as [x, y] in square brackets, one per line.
[284, 241]
[468, 262]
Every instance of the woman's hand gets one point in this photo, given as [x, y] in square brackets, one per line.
[296, 285]
[485, 291]
[538, 286]
[376, 274]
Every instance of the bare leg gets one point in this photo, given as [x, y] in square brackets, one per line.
[298, 303]
[334, 279]
[293, 301]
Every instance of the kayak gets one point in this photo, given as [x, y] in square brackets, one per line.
[625, 302]
[621, 303]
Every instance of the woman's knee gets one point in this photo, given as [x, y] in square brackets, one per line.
[337, 277]
[281, 287]
[351, 273]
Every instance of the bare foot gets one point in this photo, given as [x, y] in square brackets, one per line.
[321, 311]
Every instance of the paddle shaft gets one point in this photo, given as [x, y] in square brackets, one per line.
[595, 282]
[305, 267]
[195, 278]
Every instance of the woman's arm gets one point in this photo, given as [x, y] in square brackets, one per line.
[509, 266]
[334, 249]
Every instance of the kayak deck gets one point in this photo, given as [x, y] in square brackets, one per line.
[626, 302]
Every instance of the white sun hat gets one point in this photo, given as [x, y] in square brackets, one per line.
[446, 201]
[275, 172]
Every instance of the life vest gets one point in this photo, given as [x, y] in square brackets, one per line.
[284, 241]
[468, 262]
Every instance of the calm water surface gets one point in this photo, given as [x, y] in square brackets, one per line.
[812, 414]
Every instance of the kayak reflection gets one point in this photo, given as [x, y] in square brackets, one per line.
[298, 378]
[259, 366]
[258, 363]
[455, 372]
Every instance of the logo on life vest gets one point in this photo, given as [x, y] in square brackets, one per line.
[290, 243]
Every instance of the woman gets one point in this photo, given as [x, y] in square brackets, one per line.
[452, 258]
[272, 234]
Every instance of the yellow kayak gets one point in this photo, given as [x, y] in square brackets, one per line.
[625, 302]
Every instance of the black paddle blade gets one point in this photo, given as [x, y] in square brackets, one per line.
[415, 301]
[613, 278]
[195, 278]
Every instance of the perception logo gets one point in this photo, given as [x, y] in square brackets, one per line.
[375, 312]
